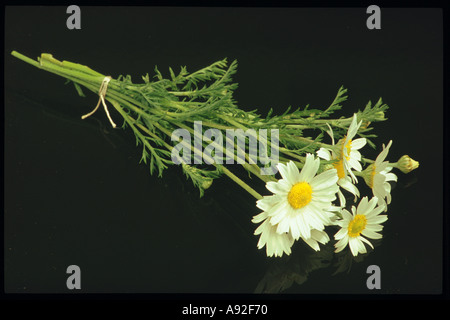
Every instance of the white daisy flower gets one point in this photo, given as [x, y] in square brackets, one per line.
[276, 243]
[377, 177]
[344, 180]
[350, 155]
[364, 222]
[301, 200]
[346, 159]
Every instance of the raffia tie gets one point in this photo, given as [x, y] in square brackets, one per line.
[102, 94]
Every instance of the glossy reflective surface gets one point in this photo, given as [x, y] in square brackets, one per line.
[75, 192]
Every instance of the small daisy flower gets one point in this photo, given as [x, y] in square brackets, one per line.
[364, 222]
[350, 155]
[276, 244]
[344, 180]
[346, 159]
[377, 177]
[301, 200]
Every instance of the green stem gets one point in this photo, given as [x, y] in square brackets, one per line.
[356, 173]
[131, 124]
[231, 175]
[245, 186]
[253, 168]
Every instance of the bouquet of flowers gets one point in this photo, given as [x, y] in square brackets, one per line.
[192, 120]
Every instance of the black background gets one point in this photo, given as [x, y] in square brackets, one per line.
[75, 192]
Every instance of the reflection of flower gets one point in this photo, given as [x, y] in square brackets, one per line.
[346, 159]
[294, 269]
[364, 221]
[344, 260]
[301, 203]
[378, 175]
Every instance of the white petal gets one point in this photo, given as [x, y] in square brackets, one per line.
[260, 217]
[315, 222]
[280, 187]
[366, 241]
[349, 186]
[375, 212]
[341, 244]
[359, 242]
[371, 205]
[371, 234]
[378, 181]
[313, 210]
[310, 168]
[353, 128]
[363, 206]
[358, 143]
[383, 153]
[320, 236]
[391, 177]
[279, 210]
[347, 216]
[382, 202]
[312, 243]
[294, 174]
[324, 180]
[304, 227]
[267, 202]
[353, 244]
[330, 133]
[342, 200]
[354, 164]
[295, 228]
[352, 175]
[374, 227]
[355, 155]
[381, 168]
[324, 154]
[261, 228]
[341, 233]
[283, 226]
[325, 195]
[378, 219]
[283, 169]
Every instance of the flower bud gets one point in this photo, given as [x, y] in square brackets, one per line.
[405, 164]
[207, 183]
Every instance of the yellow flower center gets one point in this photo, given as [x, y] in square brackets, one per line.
[349, 148]
[300, 195]
[339, 166]
[369, 177]
[357, 225]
